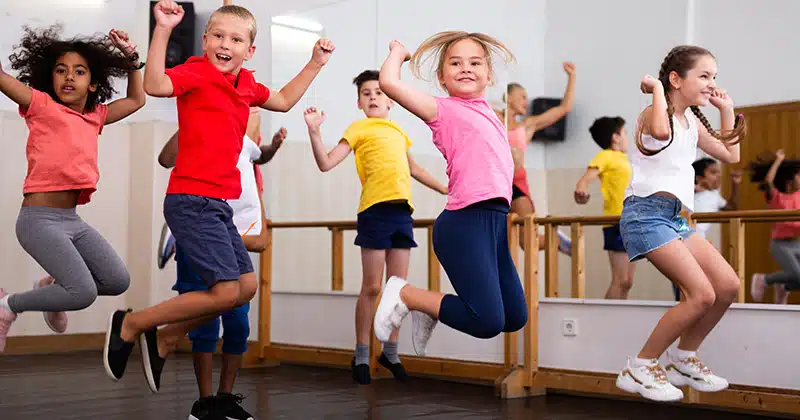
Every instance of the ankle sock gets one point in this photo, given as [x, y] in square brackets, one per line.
[684, 354]
[390, 350]
[362, 354]
[639, 362]
[4, 303]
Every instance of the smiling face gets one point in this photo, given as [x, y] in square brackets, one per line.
[697, 83]
[227, 42]
[373, 101]
[465, 70]
[72, 80]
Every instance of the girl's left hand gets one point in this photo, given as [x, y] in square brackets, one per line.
[122, 41]
[720, 99]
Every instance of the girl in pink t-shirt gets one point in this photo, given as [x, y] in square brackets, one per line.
[60, 91]
[781, 182]
[470, 236]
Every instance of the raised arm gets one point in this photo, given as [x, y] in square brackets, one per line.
[423, 177]
[419, 103]
[169, 153]
[711, 145]
[552, 115]
[325, 160]
[655, 120]
[286, 98]
[268, 150]
[14, 89]
[156, 82]
[136, 97]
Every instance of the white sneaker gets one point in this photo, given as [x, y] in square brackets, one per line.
[391, 309]
[648, 381]
[423, 325]
[692, 372]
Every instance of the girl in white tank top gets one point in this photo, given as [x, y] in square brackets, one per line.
[662, 183]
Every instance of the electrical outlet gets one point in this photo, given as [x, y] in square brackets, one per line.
[569, 327]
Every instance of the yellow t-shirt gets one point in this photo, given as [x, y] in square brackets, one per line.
[615, 175]
[381, 148]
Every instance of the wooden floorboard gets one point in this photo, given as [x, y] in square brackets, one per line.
[74, 386]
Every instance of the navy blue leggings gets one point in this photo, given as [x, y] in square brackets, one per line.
[472, 246]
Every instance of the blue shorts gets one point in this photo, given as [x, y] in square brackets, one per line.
[612, 239]
[385, 226]
[235, 323]
[210, 241]
[648, 223]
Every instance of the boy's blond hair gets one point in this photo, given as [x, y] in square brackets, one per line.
[237, 11]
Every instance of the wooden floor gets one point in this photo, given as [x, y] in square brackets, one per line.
[75, 386]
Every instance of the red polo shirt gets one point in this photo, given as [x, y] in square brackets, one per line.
[212, 121]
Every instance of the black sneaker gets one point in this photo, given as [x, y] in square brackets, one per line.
[360, 372]
[397, 369]
[152, 363]
[206, 409]
[116, 351]
[230, 408]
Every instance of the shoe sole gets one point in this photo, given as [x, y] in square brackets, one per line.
[106, 346]
[44, 314]
[627, 384]
[148, 373]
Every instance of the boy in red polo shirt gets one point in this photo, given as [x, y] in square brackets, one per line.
[214, 95]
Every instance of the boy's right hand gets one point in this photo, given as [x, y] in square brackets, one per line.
[397, 48]
[313, 118]
[168, 14]
[581, 195]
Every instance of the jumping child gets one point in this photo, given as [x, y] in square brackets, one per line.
[384, 224]
[214, 95]
[61, 90]
[470, 236]
[667, 137]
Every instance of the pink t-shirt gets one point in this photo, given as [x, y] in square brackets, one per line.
[474, 143]
[781, 201]
[62, 147]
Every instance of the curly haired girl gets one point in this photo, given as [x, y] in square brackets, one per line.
[60, 90]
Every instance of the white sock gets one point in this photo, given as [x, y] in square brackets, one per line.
[684, 354]
[637, 362]
[4, 303]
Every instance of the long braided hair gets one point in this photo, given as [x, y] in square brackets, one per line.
[680, 60]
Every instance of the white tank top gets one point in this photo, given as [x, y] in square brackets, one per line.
[671, 169]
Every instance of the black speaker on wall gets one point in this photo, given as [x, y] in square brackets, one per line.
[557, 131]
[182, 40]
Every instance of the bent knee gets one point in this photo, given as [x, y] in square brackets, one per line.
[703, 298]
[82, 297]
[119, 285]
[728, 290]
[370, 290]
[248, 286]
[226, 294]
[516, 322]
[488, 327]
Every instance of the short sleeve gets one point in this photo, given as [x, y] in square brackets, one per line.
[99, 116]
[186, 77]
[352, 134]
[443, 110]
[253, 151]
[261, 94]
[39, 100]
[721, 202]
[600, 161]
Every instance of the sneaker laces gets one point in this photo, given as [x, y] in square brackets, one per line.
[657, 372]
[238, 398]
[695, 362]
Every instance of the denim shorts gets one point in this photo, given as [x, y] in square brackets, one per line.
[648, 223]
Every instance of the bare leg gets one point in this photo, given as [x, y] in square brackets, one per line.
[203, 371]
[726, 288]
[677, 263]
[621, 275]
[372, 263]
[231, 363]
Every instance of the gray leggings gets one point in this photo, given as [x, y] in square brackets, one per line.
[787, 254]
[82, 262]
